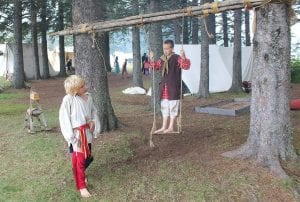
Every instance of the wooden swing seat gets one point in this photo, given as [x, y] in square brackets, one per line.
[169, 133]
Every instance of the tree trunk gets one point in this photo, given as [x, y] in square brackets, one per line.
[211, 26]
[195, 27]
[106, 39]
[247, 28]
[62, 60]
[204, 66]
[89, 62]
[185, 24]
[155, 40]
[177, 31]
[270, 136]
[107, 52]
[186, 36]
[225, 28]
[18, 76]
[44, 28]
[177, 25]
[237, 53]
[36, 61]
[136, 50]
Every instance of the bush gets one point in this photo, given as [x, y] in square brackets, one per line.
[295, 70]
[4, 83]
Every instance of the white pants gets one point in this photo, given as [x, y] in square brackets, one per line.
[169, 108]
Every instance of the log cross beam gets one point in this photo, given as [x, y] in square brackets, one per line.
[192, 11]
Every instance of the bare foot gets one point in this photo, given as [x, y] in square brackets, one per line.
[85, 193]
[160, 130]
[169, 130]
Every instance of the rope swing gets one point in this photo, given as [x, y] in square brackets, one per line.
[179, 118]
[201, 11]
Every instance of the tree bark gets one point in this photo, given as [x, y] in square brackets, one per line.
[89, 62]
[19, 75]
[195, 27]
[270, 136]
[211, 26]
[204, 66]
[195, 30]
[44, 28]
[247, 28]
[137, 78]
[62, 60]
[107, 52]
[177, 25]
[177, 31]
[186, 36]
[155, 41]
[237, 54]
[107, 40]
[225, 28]
[34, 35]
[181, 32]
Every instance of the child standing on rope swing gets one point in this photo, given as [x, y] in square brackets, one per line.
[170, 85]
[78, 122]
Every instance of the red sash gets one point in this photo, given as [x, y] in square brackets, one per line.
[84, 143]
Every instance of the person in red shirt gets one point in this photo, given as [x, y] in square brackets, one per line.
[171, 66]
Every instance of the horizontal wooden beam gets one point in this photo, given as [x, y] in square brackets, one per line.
[140, 20]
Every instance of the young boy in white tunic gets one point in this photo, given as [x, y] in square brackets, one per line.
[79, 122]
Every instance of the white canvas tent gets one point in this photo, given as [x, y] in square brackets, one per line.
[7, 61]
[53, 57]
[220, 67]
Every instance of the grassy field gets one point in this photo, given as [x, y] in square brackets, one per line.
[37, 167]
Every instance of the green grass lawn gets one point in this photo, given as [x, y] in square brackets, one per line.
[36, 167]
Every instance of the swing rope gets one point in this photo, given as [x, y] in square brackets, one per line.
[153, 129]
[179, 118]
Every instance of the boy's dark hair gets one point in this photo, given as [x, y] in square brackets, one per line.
[169, 41]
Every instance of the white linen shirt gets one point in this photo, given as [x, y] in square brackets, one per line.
[75, 112]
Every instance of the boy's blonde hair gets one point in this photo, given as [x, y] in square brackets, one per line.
[73, 83]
